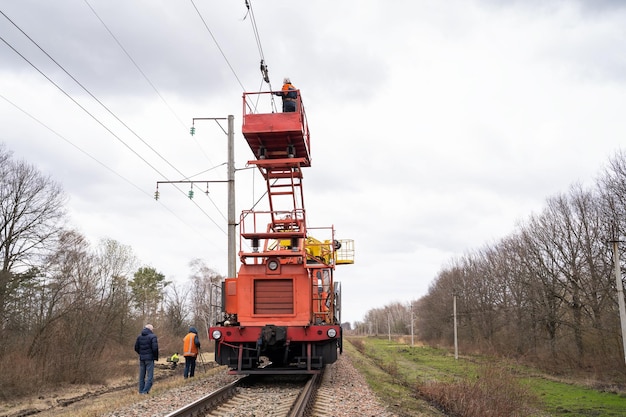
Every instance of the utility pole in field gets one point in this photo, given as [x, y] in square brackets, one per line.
[620, 293]
[456, 342]
[412, 322]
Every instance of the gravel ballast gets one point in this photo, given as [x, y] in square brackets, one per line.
[351, 394]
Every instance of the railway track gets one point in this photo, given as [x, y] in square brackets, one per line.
[279, 396]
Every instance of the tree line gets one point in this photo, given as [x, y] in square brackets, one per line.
[70, 311]
[547, 292]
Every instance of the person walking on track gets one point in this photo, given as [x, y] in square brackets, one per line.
[191, 345]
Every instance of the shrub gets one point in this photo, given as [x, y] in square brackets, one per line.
[359, 345]
[494, 392]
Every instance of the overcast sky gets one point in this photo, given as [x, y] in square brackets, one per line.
[436, 126]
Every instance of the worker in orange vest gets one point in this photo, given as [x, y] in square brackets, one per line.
[191, 345]
[289, 95]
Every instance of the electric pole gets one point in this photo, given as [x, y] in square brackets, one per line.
[412, 321]
[456, 343]
[232, 222]
[620, 293]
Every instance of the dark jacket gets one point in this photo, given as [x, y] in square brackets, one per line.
[147, 346]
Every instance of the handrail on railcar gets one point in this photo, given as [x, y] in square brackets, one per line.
[273, 134]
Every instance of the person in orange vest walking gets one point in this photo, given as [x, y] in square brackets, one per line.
[191, 345]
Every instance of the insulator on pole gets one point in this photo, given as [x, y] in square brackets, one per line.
[192, 130]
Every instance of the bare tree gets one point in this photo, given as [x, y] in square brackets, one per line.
[547, 290]
[434, 310]
[547, 287]
[612, 188]
[205, 294]
[31, 216]
[67, 311]
[522, 330]
[114, 266]
[612, 205]
[176, 312]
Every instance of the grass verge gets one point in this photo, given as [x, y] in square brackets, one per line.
[475, 386]
[399, 398]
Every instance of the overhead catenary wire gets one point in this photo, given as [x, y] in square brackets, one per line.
[222, 52]
[257, 37]
[91, 95]
[159, 94]
[80, 105]
[143, 74]
[264, 69]
[105, 166]
[104, 126]
[263, 65]
[218, 45]
[92, 115]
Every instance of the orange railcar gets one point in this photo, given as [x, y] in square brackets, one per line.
[281, 313]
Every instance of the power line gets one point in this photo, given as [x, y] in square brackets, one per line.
[257, 38]
[96, 119]
[108, 168]
[78, 104]
[263, 66]
[218, 46]
[73, 144]
[259, 46]
[143, 74]
[92, 96]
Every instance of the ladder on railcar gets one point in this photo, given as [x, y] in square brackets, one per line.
[280, 143]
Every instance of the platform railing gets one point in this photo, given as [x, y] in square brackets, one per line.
[267, 103]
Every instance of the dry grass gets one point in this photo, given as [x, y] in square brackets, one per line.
[494, 392]
[481, 389]
[106, 403]
[89, 400]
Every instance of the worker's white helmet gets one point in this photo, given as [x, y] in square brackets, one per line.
[286, 80]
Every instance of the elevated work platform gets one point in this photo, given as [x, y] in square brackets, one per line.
[280, 143]
[275, 135]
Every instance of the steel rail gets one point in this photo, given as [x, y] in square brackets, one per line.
[203, 405]
[306, 398]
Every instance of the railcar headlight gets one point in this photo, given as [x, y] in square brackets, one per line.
[272, 264]
[216, 334]
[331, 332]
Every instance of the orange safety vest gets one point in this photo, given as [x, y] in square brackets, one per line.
[286, 91]
[189, 347]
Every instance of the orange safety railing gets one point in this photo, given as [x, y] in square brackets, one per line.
[269, 132]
